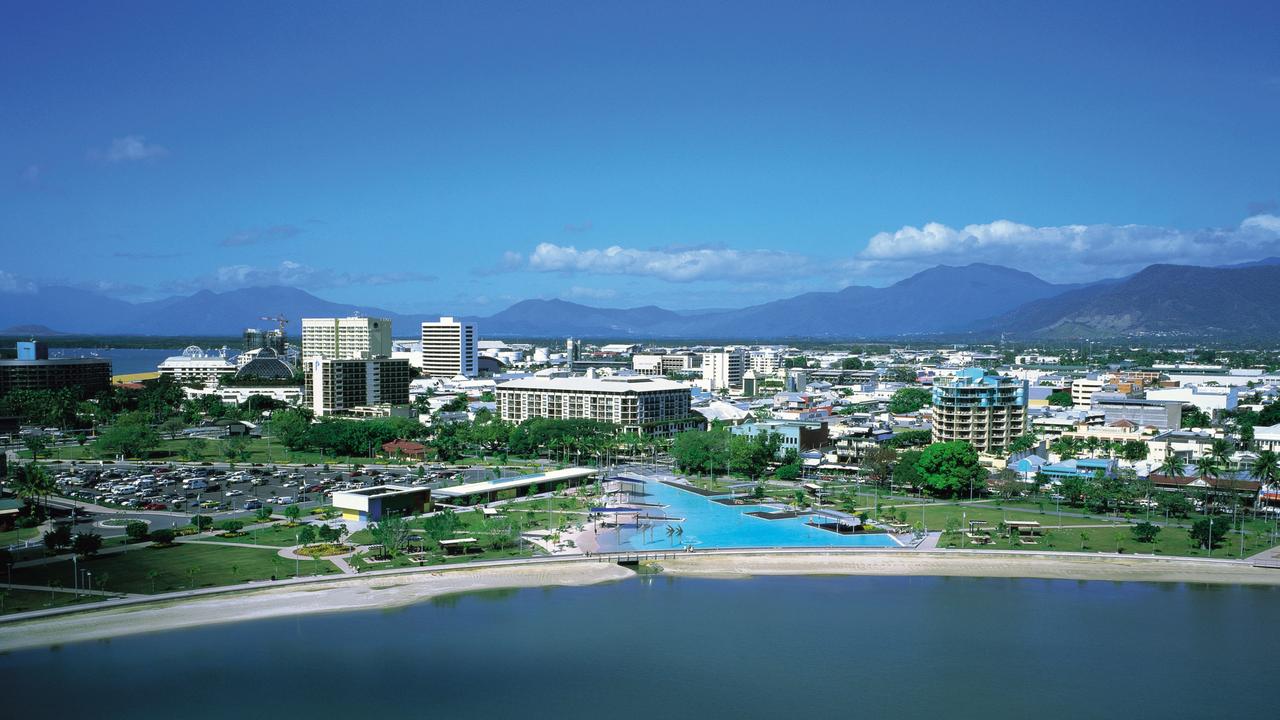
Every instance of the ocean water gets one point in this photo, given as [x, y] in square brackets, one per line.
[660, 647]
[124, 361]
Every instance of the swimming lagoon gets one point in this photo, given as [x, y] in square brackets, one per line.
[709, 524]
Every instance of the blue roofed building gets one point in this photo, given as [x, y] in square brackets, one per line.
[1079, 467]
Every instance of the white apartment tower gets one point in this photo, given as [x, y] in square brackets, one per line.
[723, 370]
[349, 338]
[449, 348]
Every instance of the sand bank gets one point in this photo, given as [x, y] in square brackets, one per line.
[1064, 566]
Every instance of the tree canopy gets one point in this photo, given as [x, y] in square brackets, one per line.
[948, 468]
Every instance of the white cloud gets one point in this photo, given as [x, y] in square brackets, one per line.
[292, 274]
[671, 264]
[10, 283]
[1066, 252]
[255, 236]
[131, 148]
[591, 293]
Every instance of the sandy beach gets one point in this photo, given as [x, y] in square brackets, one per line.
[373, 592]
[1002, 565]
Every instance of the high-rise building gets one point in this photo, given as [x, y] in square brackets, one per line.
[723, 369]
[637, 404]
[255, 339]
[338, 386]
[987, 411]
[345, 338]
[449, 348]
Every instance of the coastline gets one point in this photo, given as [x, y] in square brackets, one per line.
[367, 592]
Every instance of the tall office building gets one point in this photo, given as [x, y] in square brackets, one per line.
[345, 338]
[449, 348]
[987, 411]
[255, 339]
[724, 369]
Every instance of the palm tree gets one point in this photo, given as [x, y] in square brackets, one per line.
[1208, 468]
[1220, 450]
[1267, 467]
[1065, 447]
[1172, 465]
[32, 483]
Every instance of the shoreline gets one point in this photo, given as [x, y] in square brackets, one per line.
[369, 592]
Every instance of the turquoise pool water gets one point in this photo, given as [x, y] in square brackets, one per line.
[710, 524]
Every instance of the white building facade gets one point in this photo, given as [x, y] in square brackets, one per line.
[345, 338]
[449, 348]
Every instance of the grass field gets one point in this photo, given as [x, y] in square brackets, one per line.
[1170, 541]
[16, 601]
[17, 535]
[279, 534]
[213, 565]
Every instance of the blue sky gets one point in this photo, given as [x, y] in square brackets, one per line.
[458, 157]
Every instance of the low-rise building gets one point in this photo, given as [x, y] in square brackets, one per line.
[799, 436]
[635, 403]
[1159, 414]
[375, 503]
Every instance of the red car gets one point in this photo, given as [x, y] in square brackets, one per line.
[155, 506]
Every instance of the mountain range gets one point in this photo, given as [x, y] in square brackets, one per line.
[977, 300]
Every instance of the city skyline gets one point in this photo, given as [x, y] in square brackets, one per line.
[432, 158]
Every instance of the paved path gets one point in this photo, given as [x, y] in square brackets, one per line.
[187, 541]
[46, 588]
[66, 557]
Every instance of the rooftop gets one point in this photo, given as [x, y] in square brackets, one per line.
[614, 384]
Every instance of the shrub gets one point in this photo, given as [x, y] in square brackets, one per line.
[201, 522]
[136, 530]
[163, 536]
[231, 526]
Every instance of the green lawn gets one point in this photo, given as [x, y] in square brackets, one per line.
[1170, 541]
[17, 535]
[16, 601]
[279, 535]
[215, 565]
[935, 516]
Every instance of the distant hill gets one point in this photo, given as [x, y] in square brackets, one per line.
[32, 330]
[558, 317]
[1173, 299]
[204, 313]
[941, 299]
[975, 299]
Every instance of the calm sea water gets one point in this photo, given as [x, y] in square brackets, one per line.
[690, 648]
[124, 361]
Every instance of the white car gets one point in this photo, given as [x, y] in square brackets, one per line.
[233, 493]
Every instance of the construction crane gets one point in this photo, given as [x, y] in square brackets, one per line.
[280, 321]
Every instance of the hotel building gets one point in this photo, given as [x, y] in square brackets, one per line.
[340, 387]
[345, 338]
[637, 404]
